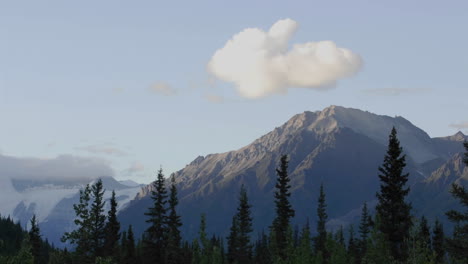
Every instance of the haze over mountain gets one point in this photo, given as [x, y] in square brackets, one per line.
[48, 188]
[339, 147]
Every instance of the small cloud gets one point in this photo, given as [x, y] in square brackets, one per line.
[461, 125]
[396, 91]
[106, 149]
[163, 89]
[214, 98]
[135, 167]
[260, 63]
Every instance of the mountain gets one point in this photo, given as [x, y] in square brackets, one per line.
[339, 147]
[52, 201]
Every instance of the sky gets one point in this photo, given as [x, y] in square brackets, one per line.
[139, 85]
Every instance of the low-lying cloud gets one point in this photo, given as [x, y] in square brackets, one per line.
[259, 62]
[63, 167]
[461, 125]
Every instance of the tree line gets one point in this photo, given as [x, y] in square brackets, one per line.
[391, 235]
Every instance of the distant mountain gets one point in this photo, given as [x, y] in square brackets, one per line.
[339, 147]
[52, 200]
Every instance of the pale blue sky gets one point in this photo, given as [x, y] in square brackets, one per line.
[75, 76]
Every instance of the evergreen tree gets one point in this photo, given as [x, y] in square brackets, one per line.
[353, 247]
[35, 240]
[97, 219]
[393, 210]
[154, 239]
[112, 228]
[244, 220]
[424, 235]
[129, 253]
[233, 241]
[364, 229]
[321, 238]
[304, 250]
[284, 210]
[262, 252]
[81, 236]
[174, 223]
[457, 246]
[438, 245]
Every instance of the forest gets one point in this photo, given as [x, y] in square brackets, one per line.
[390, 235]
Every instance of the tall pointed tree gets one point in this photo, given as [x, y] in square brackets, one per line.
[424, 235]
[239, 245]
[364, 230]
[154, 238]
[393, 210]
[97, 219]
[438, 244]
[35, 240]
[245, 227]
[81, 236]
[129, 254]
[174, 223]
[284, 210]
[112, 235]
[321, 238]
[457, 245]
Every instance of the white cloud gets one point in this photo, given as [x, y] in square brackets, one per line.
[396, 91]
[461, 125]
[259, 63]
[135, 167]
[163, 89]
[106, 149]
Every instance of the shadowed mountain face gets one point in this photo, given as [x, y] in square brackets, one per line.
[339, 147]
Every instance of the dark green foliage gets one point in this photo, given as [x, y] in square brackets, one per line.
[154, 238]
[353, 247]
[321, 238]
[128, 254]
[174, 223]
[81, 236]
[97, 219]
[284, 210]
[239, 245]
[233, 241]
[438, 242]
[457, 245]
[364, 230]
[424, 235]
[112, 228]
[304, 249]
[393, 210]
[262, 253]
[35, 240]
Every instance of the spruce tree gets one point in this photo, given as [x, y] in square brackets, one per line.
[457, 245]
[438, 244]
[353, 247]
[233, 241]
[130, 256]
[35, 240]
[97, 219]
[154, 239]
[424, 235]
[112, 235]
[364, 230]
[304, 250]
[284, 210]
[393, 210]
[81, 237]
[244, 220]
[174, 223]
[321, 238]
